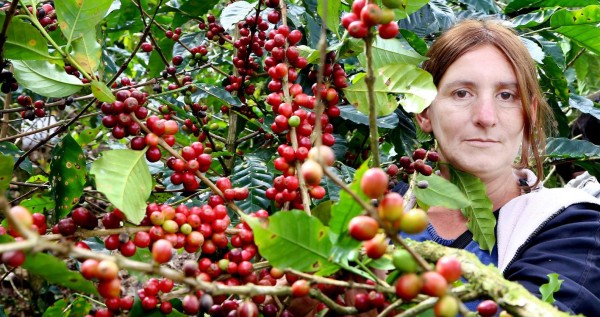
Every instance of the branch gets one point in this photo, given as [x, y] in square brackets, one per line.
[370, 81]
[488, 280]
[9, 15]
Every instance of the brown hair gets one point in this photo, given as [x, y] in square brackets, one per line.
[470, 34]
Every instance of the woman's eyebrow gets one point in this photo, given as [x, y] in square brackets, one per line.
[470, 83]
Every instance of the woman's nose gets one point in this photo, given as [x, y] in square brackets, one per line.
[484, 112]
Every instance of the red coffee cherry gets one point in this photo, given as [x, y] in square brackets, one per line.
[363, 228]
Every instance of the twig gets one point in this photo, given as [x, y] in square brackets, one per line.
[5, 116]
[421, 307]
[370, 81]
[319, 106]
[60, 129]
[7, 19]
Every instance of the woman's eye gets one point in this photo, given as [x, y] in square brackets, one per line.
[506, 95]
[461, 93]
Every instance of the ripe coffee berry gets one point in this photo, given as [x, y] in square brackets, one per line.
[487, 308]
[363, 228]
[162, 251]
[300, 288]
[374, 182]
[449, 267]
[408, 286]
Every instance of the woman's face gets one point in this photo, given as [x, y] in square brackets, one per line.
[477, 116]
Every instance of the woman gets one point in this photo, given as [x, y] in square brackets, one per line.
[489, 110]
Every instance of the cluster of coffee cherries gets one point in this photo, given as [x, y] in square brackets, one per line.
[202, 304]
[117, 115]
[420, 162]
[214, 31]
[36, 222]
[196, 228]
[150, 295]
[8, 82]
[159, 128]
[390, 209]
[106, 273]
[364, 15]
[32, 109]
[284, 60]
[173, 34]
[432, 283]
[194, 159]
[46, 15]
[79, 217]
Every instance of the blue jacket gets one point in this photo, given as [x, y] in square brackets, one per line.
[547, 231]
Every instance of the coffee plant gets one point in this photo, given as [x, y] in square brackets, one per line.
[235, 158]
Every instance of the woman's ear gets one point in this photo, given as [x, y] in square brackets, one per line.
[424, 121]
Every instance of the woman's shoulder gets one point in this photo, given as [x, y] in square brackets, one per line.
[527, 215]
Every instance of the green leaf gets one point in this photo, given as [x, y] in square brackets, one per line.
[220, 93]
[417, 43]
[309, 53]
[6, 167]
[294, 240]
[67, 175]
[87, 136]
[45, 79]
[24, 41]
[556, 77]
[235, 12]
[532, 19]
[547, 290]
[55, 271]
[440, 192]
[487, 6]
[409, 7]
[323, 211]
[59, 308]
[87, 52]
[391, 51]
[347, 208]
[78, 17]
[341, 213]
[517, 5]
[252, 172]
[193, 39]
[579, 25]
[588, 81]
[101, 92]
[536, 52]
[584, 105]
[80, 307]
[194, 8]
[480, 217]
[13, 151]
[564, 148]
[332, 20]
[357, 96]
[350, 113]
[39, 202]
[404, 135]
[415, 84]
[442, 13]
[123, 176]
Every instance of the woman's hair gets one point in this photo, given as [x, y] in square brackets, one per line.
[471, 34]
